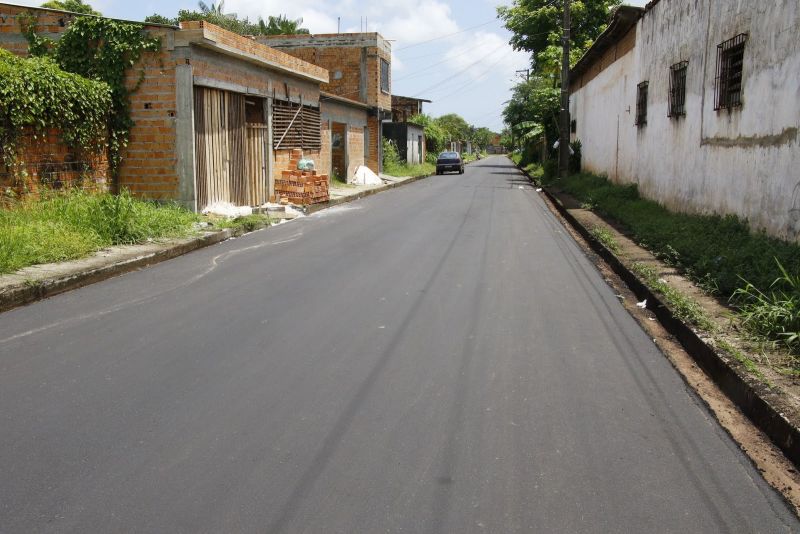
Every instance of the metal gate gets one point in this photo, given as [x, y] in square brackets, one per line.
[231, 155]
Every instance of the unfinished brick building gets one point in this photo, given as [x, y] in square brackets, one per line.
[360, 70]
[217, 115]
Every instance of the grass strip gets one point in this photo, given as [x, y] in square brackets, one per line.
[60, 227]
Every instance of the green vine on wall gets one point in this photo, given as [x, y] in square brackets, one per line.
[103, 50]
[38, 95]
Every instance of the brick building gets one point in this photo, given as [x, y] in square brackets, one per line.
[360, 70]
[218, 116]
[405, 107]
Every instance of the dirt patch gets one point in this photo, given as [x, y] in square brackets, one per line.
[777, 470]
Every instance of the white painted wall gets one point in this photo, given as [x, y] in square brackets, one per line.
[745, 161]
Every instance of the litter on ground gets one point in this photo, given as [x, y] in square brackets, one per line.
[364, 176]
[642, 304]
[226, 209]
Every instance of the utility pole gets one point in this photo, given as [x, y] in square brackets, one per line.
[563, 143]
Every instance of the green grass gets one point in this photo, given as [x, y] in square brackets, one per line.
[742, 358]
[399, 169]
[683, 306]
[713, 250]
[606, 237]
[68, 226]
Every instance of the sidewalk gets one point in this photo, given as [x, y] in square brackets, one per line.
[42, 281]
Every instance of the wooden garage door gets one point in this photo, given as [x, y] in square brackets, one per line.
[231, 159]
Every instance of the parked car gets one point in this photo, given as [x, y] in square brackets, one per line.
[449, 161]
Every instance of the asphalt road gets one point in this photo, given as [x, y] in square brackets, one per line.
[437, 358]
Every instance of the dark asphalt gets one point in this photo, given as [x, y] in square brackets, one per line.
[437, 358]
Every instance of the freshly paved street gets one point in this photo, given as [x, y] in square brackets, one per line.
[437, 358]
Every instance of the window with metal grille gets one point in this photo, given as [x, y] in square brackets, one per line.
[384, 76]
[728, 83]
[641, 104]
[295, 126]
[677, 89]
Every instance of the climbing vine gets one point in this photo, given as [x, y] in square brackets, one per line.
[36, 94]
[103, 50]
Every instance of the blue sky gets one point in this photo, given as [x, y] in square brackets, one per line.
[454, 53]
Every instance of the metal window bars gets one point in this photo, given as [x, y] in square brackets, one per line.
[677, 89]
[641, 104]
[728, 82]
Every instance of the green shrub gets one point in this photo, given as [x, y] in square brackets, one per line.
[774, 313]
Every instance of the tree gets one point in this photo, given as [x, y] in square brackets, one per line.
[76, 6]
[532, 114]
[536, 28]
[456, 128]
[213, 8]
[160, 19]
[281, 25]
[482, 137]
[231, 22]
[435, 136]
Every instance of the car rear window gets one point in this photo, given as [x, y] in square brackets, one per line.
[448, 155]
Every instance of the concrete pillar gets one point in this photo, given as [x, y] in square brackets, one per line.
[184, 137]
[270, 150]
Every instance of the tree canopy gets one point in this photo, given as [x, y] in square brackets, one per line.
[273, 25]
[532, 111]
[451, 127]
[536, 28]
[76, 6]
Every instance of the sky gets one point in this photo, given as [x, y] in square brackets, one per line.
[452, 52]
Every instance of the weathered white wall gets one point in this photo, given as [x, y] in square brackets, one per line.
[745, 161]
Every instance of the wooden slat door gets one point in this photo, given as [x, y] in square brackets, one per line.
[220, 148]
[257, 166]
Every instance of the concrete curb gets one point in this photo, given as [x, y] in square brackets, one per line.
[21, 294]
[739, 390]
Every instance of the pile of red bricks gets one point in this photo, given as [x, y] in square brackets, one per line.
[301, 187]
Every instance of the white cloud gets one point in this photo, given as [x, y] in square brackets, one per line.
[412, 21]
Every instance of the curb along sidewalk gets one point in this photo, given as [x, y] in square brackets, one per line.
[751, 397]
[38, 282]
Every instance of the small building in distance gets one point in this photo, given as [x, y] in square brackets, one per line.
[405, 107]
[409, 138]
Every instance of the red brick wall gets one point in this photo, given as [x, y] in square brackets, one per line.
[324, 163]
[250, 46]
[47, 162]
[149, 163]
[355, 146]
[373, 156]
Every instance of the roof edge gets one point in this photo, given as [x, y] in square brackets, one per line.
[622, 19]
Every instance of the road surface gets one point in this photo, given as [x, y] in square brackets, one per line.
[437, 358]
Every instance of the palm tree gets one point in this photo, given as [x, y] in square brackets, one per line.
[281, 25]
[215, 8]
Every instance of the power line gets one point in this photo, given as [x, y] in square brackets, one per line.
[417, 71]
[448, 35]
[464, 71]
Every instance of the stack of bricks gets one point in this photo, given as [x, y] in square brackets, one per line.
[301, 187]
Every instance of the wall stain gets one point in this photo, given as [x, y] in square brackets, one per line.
[788, 135]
